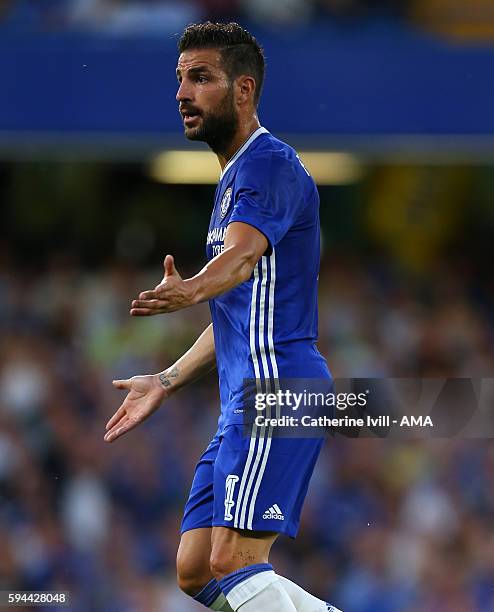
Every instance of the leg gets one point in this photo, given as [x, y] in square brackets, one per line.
[233, 549]
[303, 601]
[239, 561]
[193, 572]
[259, 488]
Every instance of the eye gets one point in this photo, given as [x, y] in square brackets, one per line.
[202, 79]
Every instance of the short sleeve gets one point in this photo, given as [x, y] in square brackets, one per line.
[267, 195]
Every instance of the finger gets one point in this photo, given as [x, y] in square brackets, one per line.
[122, 384]
[110, 434]
[149, 295]
[120, 430]
[149, 304]
[169, 265]
[144, 312]
[116, 419]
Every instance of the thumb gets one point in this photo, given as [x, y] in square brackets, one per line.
[169, 265]
[122, 384]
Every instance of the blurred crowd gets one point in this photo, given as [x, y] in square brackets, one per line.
[168, 16]
[388, 525]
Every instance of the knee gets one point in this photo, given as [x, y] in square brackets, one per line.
[190, 585]
[191, 577]
[221, 562]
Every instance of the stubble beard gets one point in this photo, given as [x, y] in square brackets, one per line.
[217, 128]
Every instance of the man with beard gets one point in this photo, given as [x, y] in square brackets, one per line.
[261, 283]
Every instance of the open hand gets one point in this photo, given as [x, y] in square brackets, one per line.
[173, 293]
[145, 395]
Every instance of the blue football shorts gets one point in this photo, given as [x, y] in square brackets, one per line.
[256, 483]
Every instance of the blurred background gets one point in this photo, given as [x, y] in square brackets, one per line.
[391, 105]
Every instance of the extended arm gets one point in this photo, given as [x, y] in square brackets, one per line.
[147, 393]
[197, 361]
[244, 246]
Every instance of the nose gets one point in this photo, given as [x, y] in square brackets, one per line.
[183, 92]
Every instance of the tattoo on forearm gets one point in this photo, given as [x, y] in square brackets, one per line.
[166, 378]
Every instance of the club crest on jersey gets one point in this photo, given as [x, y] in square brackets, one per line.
[225, 202]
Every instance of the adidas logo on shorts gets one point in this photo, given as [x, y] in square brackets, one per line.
[274, 513]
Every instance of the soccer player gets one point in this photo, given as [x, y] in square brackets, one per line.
[261, 283]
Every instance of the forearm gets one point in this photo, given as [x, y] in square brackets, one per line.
[244, 245]
[197, 361]
[227, 270]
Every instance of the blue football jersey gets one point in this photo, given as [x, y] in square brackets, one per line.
[266, 327]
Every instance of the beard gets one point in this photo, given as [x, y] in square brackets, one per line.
[218, 127]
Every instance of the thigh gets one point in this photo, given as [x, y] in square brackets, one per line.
[198, 511]
[260, 483]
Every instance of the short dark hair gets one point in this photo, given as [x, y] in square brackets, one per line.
[240, 51]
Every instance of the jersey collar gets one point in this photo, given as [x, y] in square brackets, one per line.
[243, 148]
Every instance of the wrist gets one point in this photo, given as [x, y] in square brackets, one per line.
[193, 286]
[167, 380]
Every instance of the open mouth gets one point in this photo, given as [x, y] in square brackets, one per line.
[190, 117]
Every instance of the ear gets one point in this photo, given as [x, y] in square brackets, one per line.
[246, 88]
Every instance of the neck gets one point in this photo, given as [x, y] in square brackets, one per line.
[244, 132]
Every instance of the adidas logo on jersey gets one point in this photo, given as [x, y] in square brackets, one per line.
[274, 513]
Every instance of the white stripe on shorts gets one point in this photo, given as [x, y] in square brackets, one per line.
[259, 437]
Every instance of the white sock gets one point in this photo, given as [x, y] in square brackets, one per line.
[261, 592]
[221, 604]
[212, 597]
[303, 601]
